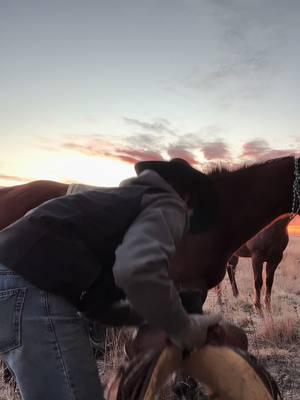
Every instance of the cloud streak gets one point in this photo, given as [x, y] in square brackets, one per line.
[200, 149]
[14, 178]
[160, 125]
[137, 148]
[260, 150]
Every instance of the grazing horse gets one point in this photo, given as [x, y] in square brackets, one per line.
[267, 246]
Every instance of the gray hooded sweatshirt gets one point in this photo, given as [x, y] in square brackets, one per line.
[143, 257]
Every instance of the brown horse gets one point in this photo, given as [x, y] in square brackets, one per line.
[269, 190]
[267, 246]
[15, 201]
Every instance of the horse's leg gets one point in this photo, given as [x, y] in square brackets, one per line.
[257, 265]
[270, 271]
[231, 268]
[193, 300]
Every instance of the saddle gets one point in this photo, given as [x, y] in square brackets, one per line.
[226, 372]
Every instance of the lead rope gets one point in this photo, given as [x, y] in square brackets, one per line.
[296, 191]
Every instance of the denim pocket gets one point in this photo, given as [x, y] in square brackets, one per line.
[11, 305]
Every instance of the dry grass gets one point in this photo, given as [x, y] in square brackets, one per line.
[279, 331]
[273, 340]
[114, 352]
[7, 391]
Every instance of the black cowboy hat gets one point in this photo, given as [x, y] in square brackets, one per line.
[176, 170]
[181, 175]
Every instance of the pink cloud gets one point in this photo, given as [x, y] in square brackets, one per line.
[260, 150]
[215, 150]
[191, 147]
[136, 148]
[135, 155]
[180, 152]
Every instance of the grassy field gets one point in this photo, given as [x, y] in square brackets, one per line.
[275, 340]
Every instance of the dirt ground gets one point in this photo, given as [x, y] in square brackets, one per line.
[275, 340]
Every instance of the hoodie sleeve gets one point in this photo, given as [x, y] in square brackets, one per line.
[142, 261]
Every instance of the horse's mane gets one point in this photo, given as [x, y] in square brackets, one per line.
[223, 170]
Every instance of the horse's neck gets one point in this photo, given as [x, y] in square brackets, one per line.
[282, 222]
[252, 197]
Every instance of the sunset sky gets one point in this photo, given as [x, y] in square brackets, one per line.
[294, 227]
[90, 87]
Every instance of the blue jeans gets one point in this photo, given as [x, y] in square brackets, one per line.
[45, 343]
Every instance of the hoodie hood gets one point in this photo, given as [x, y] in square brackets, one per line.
[150, 178]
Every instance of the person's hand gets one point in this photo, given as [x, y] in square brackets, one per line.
[195, 335]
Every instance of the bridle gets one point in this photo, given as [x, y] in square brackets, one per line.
[296, 190]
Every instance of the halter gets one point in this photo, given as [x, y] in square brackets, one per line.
[296, 190]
